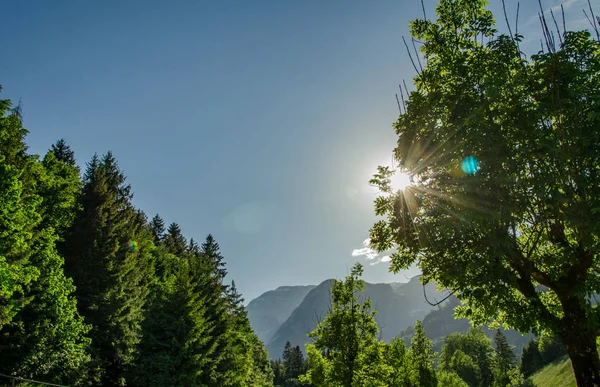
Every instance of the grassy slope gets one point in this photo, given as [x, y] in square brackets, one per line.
[557, 374]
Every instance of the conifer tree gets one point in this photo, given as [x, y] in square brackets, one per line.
[504, 360]
[158, 228]
[421, 358]
[211, 250]
[175, 241]
[110, 266]
[62, 152]
[177, 344]
[60, 189]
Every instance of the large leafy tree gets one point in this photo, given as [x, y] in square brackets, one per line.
[505, 163]
[41, 333]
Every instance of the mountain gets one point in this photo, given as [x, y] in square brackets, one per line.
[440, 322]
[397, 310]
[269, 310]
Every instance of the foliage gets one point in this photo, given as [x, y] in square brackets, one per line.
[155, 307]
[345, 342]
[531, 359]
[505, 361]
[469, 355]
[421, 358]
[551, 348]
[41, 333]
[450, 379]
[528, 214]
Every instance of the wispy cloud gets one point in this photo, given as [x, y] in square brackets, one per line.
[371, 254]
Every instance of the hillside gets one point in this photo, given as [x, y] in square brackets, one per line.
[557, 374]
[396, 311]
[440, 322]
[268, 311]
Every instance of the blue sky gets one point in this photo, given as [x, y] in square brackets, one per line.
[257, 121]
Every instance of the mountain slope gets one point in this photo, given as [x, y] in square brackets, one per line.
[396, 311]
[269, 310]
[440, 322]
[559, 373]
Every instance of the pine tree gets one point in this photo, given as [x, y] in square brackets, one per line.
[504, 360]
[175, 241]
[62, 152]
[60, 189]
[421, 358]
[211, 250]
[108, 258]
[158, 228]
[177, 344]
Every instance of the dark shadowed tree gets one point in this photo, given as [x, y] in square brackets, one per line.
[158, 228]
[108, 257]
[504, 360]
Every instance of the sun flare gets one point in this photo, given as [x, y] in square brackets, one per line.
[400, 181]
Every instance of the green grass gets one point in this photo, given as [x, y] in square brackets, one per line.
[557, 374]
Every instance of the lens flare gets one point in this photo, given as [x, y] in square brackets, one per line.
[133, 245]
[469, 165]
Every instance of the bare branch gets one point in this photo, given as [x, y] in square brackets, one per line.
[562, 10]
[594, 17]
[410, 56]
[506, 19]
[437, 302]
[406, 89]
[417, 54]
[402, 96]
[517, 22]
[557, 29]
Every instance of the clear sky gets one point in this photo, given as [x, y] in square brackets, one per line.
[260, 122]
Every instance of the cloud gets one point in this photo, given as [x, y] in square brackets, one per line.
[371, 254]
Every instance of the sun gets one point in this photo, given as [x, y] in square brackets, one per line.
[400, 181]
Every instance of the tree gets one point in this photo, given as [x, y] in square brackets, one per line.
[107, 253]
[177, 343]
[450, 379]
[62, 152]
[421, 358]
[502, 151]
[531, 360]
[468, 355]
[396, 357]
[60, 189]
[158, 228]
[211, 250]
[41, 333]
[550, 348]
[505, 360]
[174, 240]
[348, 330]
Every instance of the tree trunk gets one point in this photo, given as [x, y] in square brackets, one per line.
[580, 342]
